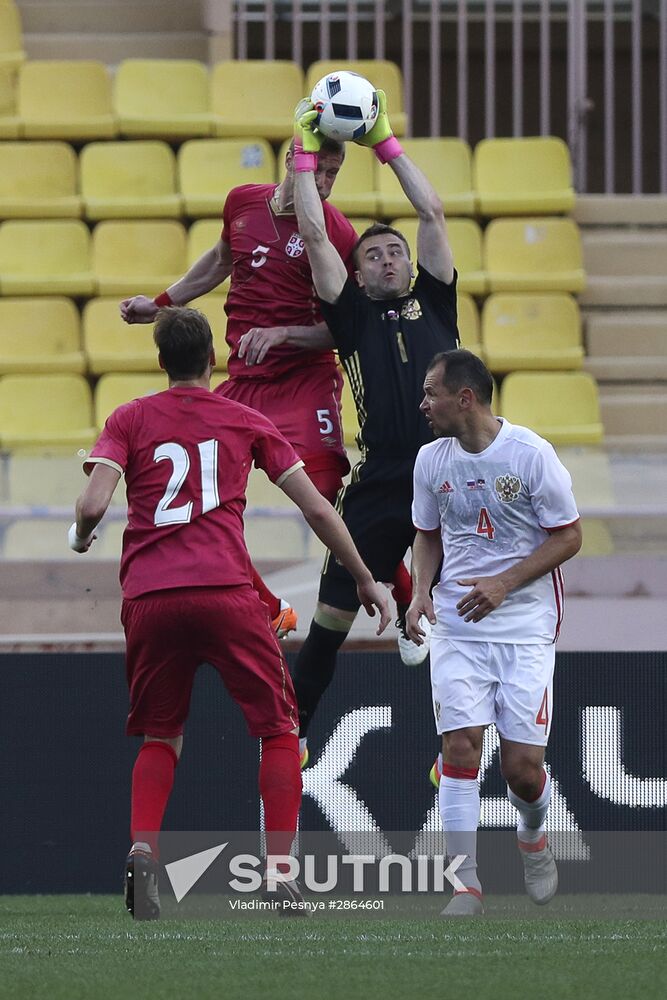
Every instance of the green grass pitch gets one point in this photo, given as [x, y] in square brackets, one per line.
[75, 947]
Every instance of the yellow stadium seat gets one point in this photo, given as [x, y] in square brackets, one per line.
[45, 411]
[382, 74]
[37, 539]
[109, 543]
[114, 389]
[36, 478]
[465, 239]
[255, 97]
[45, 258]
[65, 99]
[212, 306]
[596, 538]
[523, 176]
[38, 180]
[537, 332]
[209, 168]
[355, 190]
[162, 98]
[112, 345]
[138, 256]
[563, 407]
[202, 236]
[448, 165]
[468, 324]
[361, 224]
[9, 121]
[39, 336]
[121, 180]
[12, 53]
[534, 255]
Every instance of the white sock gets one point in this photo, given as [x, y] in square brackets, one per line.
[532, 815]
[459, 810]
[302, 744]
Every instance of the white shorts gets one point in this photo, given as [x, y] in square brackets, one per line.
[477, 683]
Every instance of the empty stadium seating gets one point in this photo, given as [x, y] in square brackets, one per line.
[255, 97]
[209, 168]
[536, 332]
[65, 99]
[114, 389]
[625, 268]
[354, 192]
[121, 180]
[448, 165]
[537, 254]
[162, 98]
[382, 74]
[44, 411]
[12, 53]
[527, 176]
[42, 539]
[9, 122]
[563, 407]
[39, 180]
[468, 324]
[628, 345]
[45, 258]
[465, 238]
[130, 257]
[40, 335]
[112, 345]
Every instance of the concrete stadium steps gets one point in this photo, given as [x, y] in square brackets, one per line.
[112, 30]
[620, 210]
[635, 416]
[626, 346]
[625, 267]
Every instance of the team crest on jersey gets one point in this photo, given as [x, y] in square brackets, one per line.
[507, 488]
[411, 309]
[294, 246]
[239, 223]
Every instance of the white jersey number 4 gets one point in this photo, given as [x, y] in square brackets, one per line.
[180, 460]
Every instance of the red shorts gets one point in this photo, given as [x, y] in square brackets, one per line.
[305, 406]
[170, 633]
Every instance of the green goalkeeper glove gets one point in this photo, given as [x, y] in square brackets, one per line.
[307, 139]
[381, 138]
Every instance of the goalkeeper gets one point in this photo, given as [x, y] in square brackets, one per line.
[386, 330]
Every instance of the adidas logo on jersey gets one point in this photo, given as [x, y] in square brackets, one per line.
[446, 487]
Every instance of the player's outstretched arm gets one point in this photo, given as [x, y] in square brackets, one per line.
[91, 506]
[426, 556]
[433, 250]
[330, 529]
[212, 268]
[329, 273]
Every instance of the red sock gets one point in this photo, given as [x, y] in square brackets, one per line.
[402, 585]
[280, 788]
[272, 602]
[152, 781]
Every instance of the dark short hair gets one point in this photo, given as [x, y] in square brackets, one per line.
[377, 229]
[328, 146]
[464, 370]
[184, 339]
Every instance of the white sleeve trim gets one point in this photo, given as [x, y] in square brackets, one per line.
[94, 460]
[288, 472]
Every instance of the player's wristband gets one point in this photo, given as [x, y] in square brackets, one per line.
[388, 149]
[76, 542]
[305, 163]
[163, 299]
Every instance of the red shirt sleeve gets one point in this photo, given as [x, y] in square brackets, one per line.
[272, 452]
[113, 445]
[228, 211]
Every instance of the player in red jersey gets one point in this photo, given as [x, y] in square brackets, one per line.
[186, 580]
[281, 361]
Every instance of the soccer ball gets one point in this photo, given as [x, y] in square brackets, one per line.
[347, 105]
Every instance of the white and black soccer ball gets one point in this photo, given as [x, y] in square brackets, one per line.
[347, 105]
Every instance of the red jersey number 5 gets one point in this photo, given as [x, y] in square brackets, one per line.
[485, 524]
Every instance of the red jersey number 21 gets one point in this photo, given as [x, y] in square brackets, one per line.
[485, 524]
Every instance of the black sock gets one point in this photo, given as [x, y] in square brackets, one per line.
[314, 669]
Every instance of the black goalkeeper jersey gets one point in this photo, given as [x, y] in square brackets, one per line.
[385, 347]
